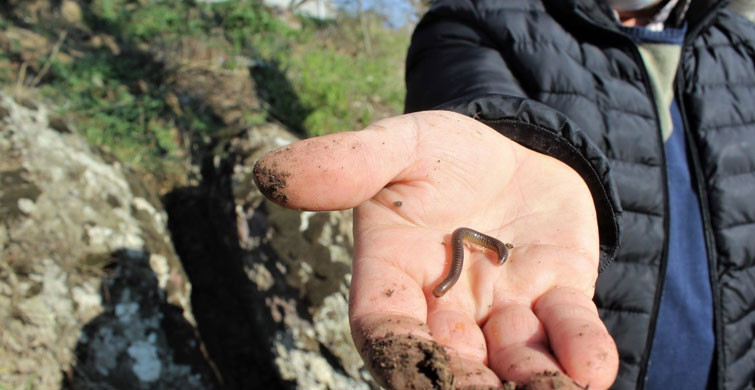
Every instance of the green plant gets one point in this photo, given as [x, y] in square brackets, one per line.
[136, 22]
[103, 94]
[247, 24]
[314, 75]
[347, 89]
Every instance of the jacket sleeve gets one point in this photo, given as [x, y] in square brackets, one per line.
[451, 56]
[453, 64]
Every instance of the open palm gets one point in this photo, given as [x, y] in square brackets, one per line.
[413, 180]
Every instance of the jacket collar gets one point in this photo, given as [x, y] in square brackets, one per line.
[699, 10]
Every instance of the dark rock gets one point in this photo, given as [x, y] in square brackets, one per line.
[270, 285]
[92, 294]
[205, 76]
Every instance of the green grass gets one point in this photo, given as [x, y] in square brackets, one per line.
[337, 82]
[6, 66]
[342, 89]
[104, 94]
[247, 25]
[316, 76]
[135, 21]
[323, 79]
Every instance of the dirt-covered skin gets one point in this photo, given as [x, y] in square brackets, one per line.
[271, 182]
[408, 362]
[550, 380]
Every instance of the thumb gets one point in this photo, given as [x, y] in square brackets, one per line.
[337, 171]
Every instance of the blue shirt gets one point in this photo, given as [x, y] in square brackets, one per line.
[682, 351]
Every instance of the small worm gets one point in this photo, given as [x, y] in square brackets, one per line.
[457, 255]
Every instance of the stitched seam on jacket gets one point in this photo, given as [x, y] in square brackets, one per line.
[714, 128]
[531, 42]
[590, 99]
[626, 311]
[719, 45]
[727, 84]
[641, 115]
[745, 313]
[719, 181]
[626, 162]
[634, 262]
[640, 212]
[736, 225]
[739, 268]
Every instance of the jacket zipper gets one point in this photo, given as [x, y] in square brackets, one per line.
[664, 177]
[702, 194]
[644, 362]
[703, 201]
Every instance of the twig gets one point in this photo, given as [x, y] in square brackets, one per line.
[50, 59]
[365, 28]
[97, 109]
[21, 77]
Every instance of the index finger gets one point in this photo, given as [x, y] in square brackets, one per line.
[337, 171]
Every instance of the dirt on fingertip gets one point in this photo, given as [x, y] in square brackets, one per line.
[409, 362]
[551, 380]
[271, 181]
[506, 386]
[546, 380]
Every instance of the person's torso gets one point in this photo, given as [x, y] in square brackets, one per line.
[595, 75]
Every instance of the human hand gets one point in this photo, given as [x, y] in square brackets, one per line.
[412, 180]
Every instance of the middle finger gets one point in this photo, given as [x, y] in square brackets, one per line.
[518, 344]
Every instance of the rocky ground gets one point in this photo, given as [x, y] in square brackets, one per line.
[92, 292]
[110, 279]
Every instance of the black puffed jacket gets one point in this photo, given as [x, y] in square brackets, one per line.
[559, 77]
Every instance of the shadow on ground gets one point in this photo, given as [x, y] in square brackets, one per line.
[228, 308]
[139, 341]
